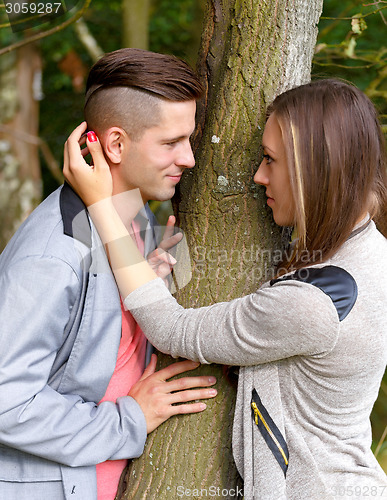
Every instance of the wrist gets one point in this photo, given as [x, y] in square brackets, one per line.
[100, 207]
[106, 220]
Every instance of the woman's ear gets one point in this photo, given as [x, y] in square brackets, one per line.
[114, 140]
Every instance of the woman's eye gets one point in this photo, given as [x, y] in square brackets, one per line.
[268, 159]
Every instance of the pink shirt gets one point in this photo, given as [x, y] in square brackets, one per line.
[128, 370]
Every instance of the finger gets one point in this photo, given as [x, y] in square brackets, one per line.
[151, 368]
[185, 409]
[184, 383]
[171, 221]
[74, 138]
[168, 243]
[96, 151]
[65, 155]
[82, 140]
[85, 151]
[72, 148]
[193, 395]
[66, 162]
[77, 133]
[159, 257]
[169, 227]
[177, 368]
[83, 146]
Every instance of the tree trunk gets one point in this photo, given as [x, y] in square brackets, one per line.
[135, 23]
[20, 178]
[251, 51]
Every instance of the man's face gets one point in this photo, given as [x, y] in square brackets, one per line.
[154, 164]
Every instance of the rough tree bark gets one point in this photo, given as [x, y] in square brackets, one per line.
[251, 51]
[20, 177]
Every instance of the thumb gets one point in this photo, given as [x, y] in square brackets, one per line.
[96, 151]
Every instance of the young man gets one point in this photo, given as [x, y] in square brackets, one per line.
[72, 389]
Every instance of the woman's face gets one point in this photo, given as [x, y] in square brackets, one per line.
[273, 173]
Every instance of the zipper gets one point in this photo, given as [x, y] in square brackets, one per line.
[257, 414]
[270, 432]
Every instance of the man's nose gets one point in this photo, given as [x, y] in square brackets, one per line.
[186, 158]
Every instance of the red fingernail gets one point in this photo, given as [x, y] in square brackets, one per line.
[91, 136]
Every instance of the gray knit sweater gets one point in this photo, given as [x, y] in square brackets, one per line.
[318, 377]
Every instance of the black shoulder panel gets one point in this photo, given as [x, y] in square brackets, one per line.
[334, 281]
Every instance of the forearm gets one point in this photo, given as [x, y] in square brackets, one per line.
[128, 265]
[195, 334]
[271, 324]
[68, 430]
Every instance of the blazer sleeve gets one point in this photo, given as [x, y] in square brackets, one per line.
[276, 322]
[36, 297]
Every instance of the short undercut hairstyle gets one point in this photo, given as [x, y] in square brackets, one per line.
[125, 88]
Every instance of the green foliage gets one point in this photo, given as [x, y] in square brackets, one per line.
[104, 21]
[352, 44]
[170, 27]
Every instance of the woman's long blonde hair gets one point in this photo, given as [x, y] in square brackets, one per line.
[337, 161]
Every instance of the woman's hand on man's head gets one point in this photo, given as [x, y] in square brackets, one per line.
[93, 183]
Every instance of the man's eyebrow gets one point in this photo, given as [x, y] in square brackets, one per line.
[178, 138]
[175, 139]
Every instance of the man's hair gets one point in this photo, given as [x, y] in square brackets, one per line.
[337, 163]
[125, 87]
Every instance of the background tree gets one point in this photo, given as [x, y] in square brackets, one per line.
[135, 17]
[250, 52]
[20, 93]
[20, 182]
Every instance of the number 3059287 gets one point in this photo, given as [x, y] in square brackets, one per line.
[32, 8]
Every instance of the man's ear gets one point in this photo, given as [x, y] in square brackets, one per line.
[114, 141]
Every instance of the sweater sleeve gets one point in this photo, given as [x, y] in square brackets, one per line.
[287, 319]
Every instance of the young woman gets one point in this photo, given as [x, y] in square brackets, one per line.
[312, 343]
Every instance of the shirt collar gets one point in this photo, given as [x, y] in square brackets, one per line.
[76, 223]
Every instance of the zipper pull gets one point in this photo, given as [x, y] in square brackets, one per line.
[255, 409]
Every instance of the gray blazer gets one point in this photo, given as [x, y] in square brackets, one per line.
[60, 331]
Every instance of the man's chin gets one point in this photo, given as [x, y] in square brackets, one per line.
[163, 196]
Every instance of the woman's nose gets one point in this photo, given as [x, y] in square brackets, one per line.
[260, 176]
